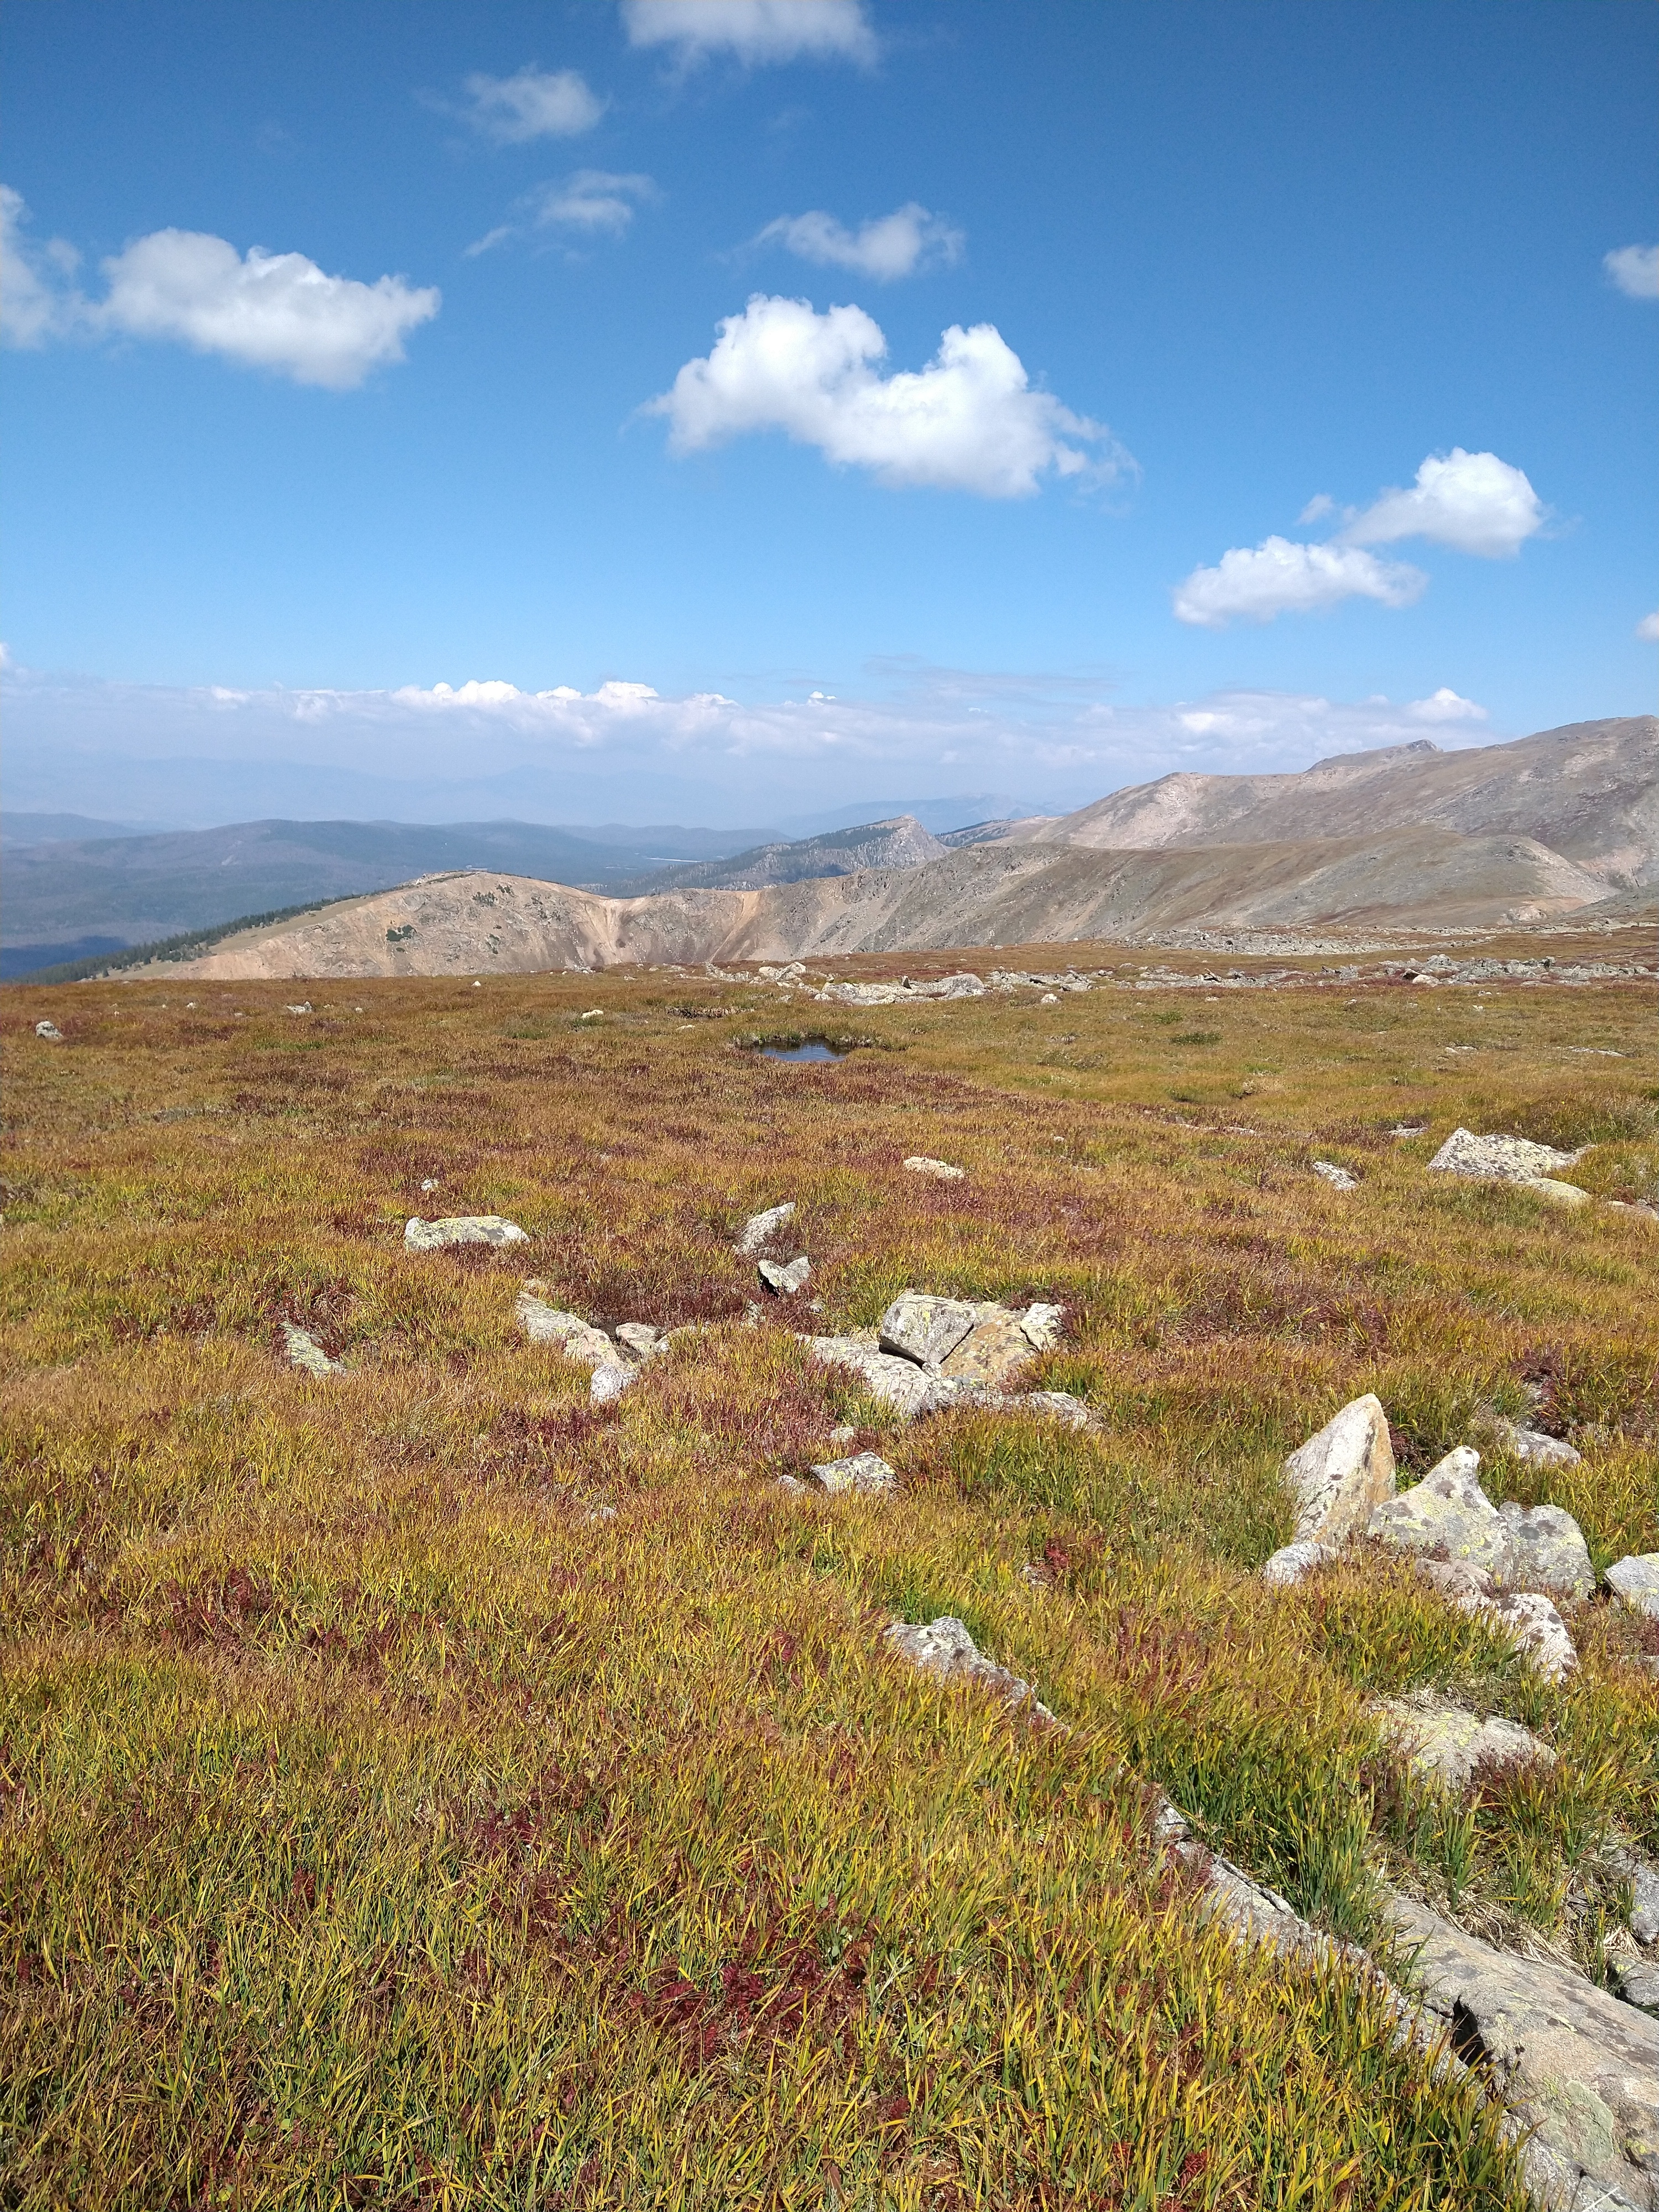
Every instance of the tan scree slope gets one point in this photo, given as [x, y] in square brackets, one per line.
[1590, 791]
[471, 923]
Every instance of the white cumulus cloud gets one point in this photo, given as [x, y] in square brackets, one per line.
[533, 104]
[1634, 269]
[753, 30]
[275, 311]
[969, 421]
[1445, 706]
[886, 246]
[1649, 628]
[1253, 584]
[38, 300]
[1472, 501]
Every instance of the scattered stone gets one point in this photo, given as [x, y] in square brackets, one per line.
[1339, 1178]
[1638, 1985]
[794, 1486]
[304, 1352]
[1537, 1631]
[1558, 1193]
[940, 1170]
[842, 1434]
[926, 1329]
[431, 1183]
[1531, 1446]
[594, 1014]
[639, 1338]
[577, 1339]
[1576, 2065]
[760, 1228]
[1292, 1561]
[1546, 1549]
[1441, 1742]
[1635, 1580]
[945, 1648]
[1340, 1476]
[783, 1281]
[304, 1007]
[610, 1381]
[462, 1229]
[1447, 1510]
[1049, 999]
[1499, 1160]
[866, 1473]
[50, 1031]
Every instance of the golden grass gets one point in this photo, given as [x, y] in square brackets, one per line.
[421, 1788]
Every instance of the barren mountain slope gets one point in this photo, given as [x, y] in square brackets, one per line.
[987, 895]
[901, 843]
[1590, 791]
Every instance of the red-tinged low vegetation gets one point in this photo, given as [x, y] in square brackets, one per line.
[420, 1787]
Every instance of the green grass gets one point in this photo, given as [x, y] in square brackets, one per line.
[420, 1788]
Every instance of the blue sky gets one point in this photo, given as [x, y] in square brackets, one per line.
[1294, 404]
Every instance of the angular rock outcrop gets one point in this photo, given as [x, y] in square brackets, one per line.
[1546, 1549]
[897, 1382]
[462, 1229]
[1579, 2067]
[924, 1328]
[1337, 1177]
[1531, 1446]
[943, 1647]
[991, 1353]
[1341, 1475]
[1448, 1511]
[784, 1278]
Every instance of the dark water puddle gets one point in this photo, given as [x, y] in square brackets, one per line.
[814, 1048]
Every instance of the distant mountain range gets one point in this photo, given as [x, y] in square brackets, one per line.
[72, 889]
[1565, 822]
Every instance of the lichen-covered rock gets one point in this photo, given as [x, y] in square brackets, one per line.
[760, 1228]
[940, 1170]
[1536, 1630]
[609, 1380]
[993, 1352]
[1447, 1510]
[1498, 1160]
[784, 1280]
[1638, 1985]
[1546, 1549]
[1043, 1325]
[926, 1329]
[866, 1472]
[1443, 1742]
[1556, 1192]
[1340, 1476]
[1576, 2065]
[1635, 1580]
[304, 1352]
[943, 1647]
[1531, 1446]
[546, 1324]
[1339, 1178]
[49, 1031]
[640, 1341]
[462, 1229]
[1060, 1405]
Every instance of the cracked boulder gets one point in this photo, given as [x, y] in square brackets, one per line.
[1579, 2067]
[1338, 1478]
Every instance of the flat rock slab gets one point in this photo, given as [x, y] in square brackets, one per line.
[304, 1352]
[1578, 2066]
[1340, 1476]
[943, 1647]
[462, 1229]
[940, 1170]
[1339, 1178]
[1444, 1743]
[1498, 1160]
[1558, 1192]
[1636, 1582]
[866, 1473]
[761, 1228]
[1291, 1562]
[899, 1383]
[993, 1352]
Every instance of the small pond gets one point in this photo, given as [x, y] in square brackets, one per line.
[813, 1048]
